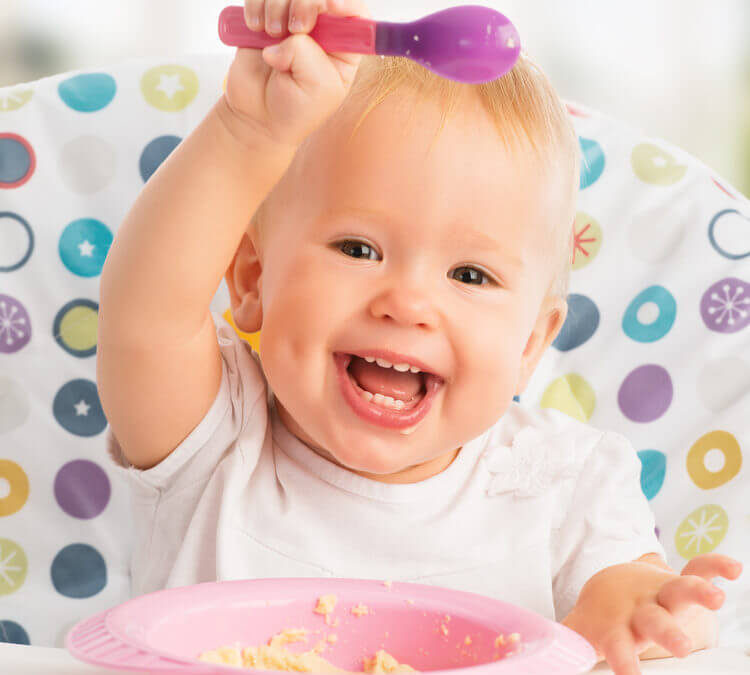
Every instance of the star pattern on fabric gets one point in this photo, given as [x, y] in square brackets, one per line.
[86, 248]
[82, 408]
[170, 85]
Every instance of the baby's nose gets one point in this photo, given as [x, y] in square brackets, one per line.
[406, 305]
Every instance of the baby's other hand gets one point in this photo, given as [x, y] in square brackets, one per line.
[645, 608]
[287, 90]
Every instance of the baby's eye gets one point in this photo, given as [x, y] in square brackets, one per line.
[357, 249]
[469, 275]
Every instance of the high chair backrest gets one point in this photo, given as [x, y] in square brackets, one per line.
[656, 346]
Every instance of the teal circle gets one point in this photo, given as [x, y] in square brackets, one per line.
[641, 332]
[653, 470]
[88, 92]
[84, 244]
[592, 161]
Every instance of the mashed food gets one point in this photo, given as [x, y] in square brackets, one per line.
[274, 656]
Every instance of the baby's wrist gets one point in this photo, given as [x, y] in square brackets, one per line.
[249, 136]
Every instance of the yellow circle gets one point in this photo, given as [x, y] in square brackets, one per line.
[79, 328]
[702, 531]
[13, 566]
[587, 240]
[253, 339]
[696, 466]
[656, 166]
[572, 395]
[19, 487]
[170, 87]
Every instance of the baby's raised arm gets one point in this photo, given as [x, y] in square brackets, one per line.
[158, 363]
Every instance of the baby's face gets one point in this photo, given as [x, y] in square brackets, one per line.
[438, 255]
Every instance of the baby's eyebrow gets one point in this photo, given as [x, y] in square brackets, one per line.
[480, 240]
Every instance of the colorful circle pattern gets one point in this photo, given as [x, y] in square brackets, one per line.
[17, 241]
[75, 327]
[77, 408]
[17, 160]
[84, 245]
[82, 489]
[88, 92]
[15, 325]
[646, 393]
[79, 571]
[650, 328]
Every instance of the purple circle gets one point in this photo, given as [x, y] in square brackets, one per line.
[645, 393]
[82, 489]
[15, 325]
[725, 306]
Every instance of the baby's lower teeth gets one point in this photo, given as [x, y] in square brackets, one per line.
[384, 401]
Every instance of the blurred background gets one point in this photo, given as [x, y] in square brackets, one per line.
[678, 69]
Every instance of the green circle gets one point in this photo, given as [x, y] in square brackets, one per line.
[78, 328]
[13, 566]
[13, 99]
[656, 166]
[170, 87]
[587, 240]
[572, 395]
[701, 531]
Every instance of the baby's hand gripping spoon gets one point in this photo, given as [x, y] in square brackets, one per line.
[468, 44]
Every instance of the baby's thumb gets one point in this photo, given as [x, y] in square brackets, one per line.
[301, 57]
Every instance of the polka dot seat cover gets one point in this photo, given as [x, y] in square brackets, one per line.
[656, 346]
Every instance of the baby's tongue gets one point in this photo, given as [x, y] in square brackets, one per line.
[385, 381]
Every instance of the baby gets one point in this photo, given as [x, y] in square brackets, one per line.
[403, 241]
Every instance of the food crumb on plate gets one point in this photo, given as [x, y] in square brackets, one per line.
[360, 610]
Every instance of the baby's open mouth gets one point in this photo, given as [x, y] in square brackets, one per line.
[394, 395]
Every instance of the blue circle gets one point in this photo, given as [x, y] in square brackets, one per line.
[15, 160]
[13, 633]
[29, 234]
[712, 238]
[78, 410]
[641, 332]
[580, 324]
[84, 245]
[653, 470]
[80, 302]
[155, 153]
[88, 92]
[592, 161]
[79, 571]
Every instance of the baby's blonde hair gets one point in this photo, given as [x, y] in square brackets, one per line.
[526, 111]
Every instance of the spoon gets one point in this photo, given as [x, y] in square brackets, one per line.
[470, 44]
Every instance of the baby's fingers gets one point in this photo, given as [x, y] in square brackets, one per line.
[710, 565]
[652, 622]
[255, 17]
[619, 650]
[689, 590]
[303, 14]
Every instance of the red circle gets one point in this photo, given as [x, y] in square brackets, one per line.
[32, 161]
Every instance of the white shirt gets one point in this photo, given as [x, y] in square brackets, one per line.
[526, 513]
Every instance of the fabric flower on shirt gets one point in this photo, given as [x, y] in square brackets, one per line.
[535, 461]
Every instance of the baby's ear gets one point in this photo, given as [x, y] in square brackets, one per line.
[550, 320]
[243, 279]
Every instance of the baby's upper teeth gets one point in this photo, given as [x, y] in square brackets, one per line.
[401, 367]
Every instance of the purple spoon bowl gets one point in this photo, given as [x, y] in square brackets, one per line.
[472, 44]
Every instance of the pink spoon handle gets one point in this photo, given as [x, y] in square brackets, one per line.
[333, 33]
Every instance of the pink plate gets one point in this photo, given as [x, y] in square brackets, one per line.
[424, 626]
